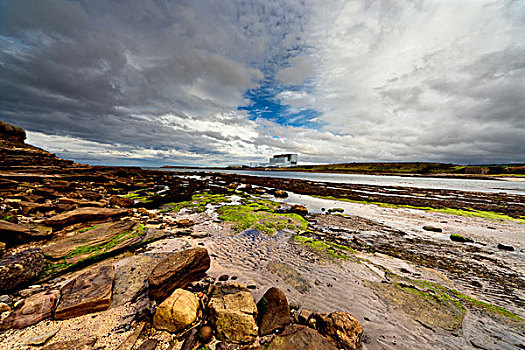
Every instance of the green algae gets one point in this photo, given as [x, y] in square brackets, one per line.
[140, 195]
[449, 295]
[451, 211]
[96, 252]
[327, 249]
[198, 202]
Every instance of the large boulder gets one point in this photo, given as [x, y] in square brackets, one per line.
[177, 312]
[89, 292]
[19, 269]
[84, 214]
[296, 337]
[32, 310]
[341, 327]
[177, 271]
[273, 311]
[233, 314]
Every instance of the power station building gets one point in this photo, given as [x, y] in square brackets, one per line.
[278, 161]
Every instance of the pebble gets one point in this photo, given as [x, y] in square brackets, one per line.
[41, 339]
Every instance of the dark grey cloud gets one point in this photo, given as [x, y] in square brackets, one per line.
[160, 81]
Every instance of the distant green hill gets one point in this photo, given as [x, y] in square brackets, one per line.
[414, 168]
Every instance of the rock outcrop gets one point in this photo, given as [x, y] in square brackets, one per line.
[177, 312]
[273, 311]
[177, 271]
[19, 269]
[89, 292]
[84, 214]
[233, 313]
[13, 234]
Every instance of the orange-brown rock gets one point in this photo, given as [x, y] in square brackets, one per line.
[177, 271]
[89, 292]
[32, 310]
[84, 214]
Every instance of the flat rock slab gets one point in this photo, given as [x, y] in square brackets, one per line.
[16, 234]
[76, 344]
[233, 313]
[84, 214]
[298, 337]
[177, 271]
[131, 276]
[89, 292]
[86, 240]
[18, 269]
[32, 310]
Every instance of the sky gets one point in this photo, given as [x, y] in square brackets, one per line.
[158, 82]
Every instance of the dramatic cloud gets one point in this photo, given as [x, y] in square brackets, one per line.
[228, 82]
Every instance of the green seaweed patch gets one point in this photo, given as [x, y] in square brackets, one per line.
[198, 202]
[335, 210]
[459, 238]
[326, 249]
[141, 195]
[450, 211]
[87, 229]
[451, 295]
[96, 252]
[260, 216]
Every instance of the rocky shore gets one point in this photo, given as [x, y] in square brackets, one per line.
[124, 258]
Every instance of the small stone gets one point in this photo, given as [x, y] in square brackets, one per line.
[199, 234]
[4, 307]
[76, 344]
[41, 339]
[205, 334]
[223, 278]
[304, 315]
[432, 229]
[508, 248]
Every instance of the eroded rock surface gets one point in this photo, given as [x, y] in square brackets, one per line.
[233, 313]
[177, 271]
[84, 214]
[89, 292]
[18, 269]
[33, 309]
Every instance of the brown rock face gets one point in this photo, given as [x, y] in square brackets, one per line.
[34, 309]
[84, 214]
[232, 313]
[273, 311]
[89, 292]
[121, 201]
[18, 269]
[343, 328]
[76, 344]
[12, 133]
[177, 312]
[177, 271]
[16, 234]
[296, 337]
